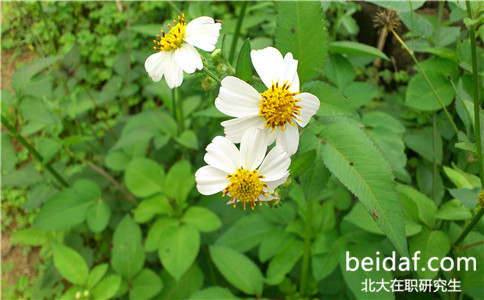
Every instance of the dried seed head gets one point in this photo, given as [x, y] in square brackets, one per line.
[387, 19]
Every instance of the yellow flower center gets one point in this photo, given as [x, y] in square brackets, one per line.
[245, 186]
[174, 38]
[278, 106]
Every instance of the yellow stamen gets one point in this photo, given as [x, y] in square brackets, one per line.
[174, 38]
[246, 187]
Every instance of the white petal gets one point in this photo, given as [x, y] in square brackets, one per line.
[203, 33]
[275, 165]
[234, 129]
[310, 104]
[188, 58]
[252, 148]
[173, 72]
[155, 65]
[223, 155]
[268, 198]
[237, 98]
[211, 180]
[288, 139]
[275, 183]
[271, 67]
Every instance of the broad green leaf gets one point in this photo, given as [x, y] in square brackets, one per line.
[152, 241]
[133, 138]
[314, 179]
[107, 288]
[22, 77]
[117, 161]
[246, 233]
[324, 265]
[349, 47]
[96, 274]
[377, 119]
[357, 163]
[399, 6]
[9, 157]
[283, 262]
[339, 71]
[468, 197]
[273, 242]
[421, 141]
[178, 249]
[213, 292]
[462, 179]
[354, 277]
[431, 244]
[188, 139]
[148, 208]
[453, 210]
[68, 207]
[420, 96]
[38, 195]
[145, 285]
[179, 181]
[202, 219]
[333, 103]
[426, 207]
[48, 149]
[98, 216]
[144, 177]
[302, 163]
[238, 269]
[70, 264]
[361, 93]
[30, 236]
[301, 30]
[127, 254]
[244, 63]
[189, 283]
[284, 214]
[472, 279]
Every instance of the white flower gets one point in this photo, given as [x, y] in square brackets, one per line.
[277, 110]
[177, 52]
[245, 176]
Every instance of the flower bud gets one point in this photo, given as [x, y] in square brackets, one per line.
[217, 55]
[480, 199]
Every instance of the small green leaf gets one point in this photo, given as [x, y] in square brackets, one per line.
[468, 197]
[9, 157]
[314, 179]
[420, 96]
[188, 139]
[361, 93]
[302, 163]
[144, 177]
[348, 47]
[333, 103]
[117, 161]
[96, 274]
[145, 285]
[178, 249]
[426, 207]
[453, 210]
[107, 288]
[238, 269]
[213, 292]
[22, 77]
[202, 218]
[148, 208]
[152, 241]
[179, 181]
[283, 262]
[431, 244]
[70, 264]
[244, 63]
[97, 216]
[273, 242]
[420, 141]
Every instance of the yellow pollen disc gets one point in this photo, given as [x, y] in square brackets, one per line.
[246, 187]
[278, 106]
[174, 38]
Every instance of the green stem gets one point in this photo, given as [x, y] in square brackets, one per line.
[211, 74]
[237, 29]
[469, 227]
[411, 22]
[439, 21]
[307, 247]
[426, 79]
[434, 147]
[33, 152]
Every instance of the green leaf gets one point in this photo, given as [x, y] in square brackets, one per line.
[152, 241]
[145, 285]
[238, 269]
[361, 93]
[144, 177]
[70, 264]
[22, 77]
[179, 181]
[22, 177]
[30, 236]
[339, 70]
[314, 179]
[453, 210]
[246, 233]
[421, 141]
[188, 139]
[324, 265]
[68, 207]
[399, 6]
[420, 96]
[96, 274]
[357, 163]
[462, 179]
[244, 63]
[283, 262]
[431, 244]
[9, 157]
[301, 30]
[189, 283]
[468, 197]
[377, 119]
[98, 216]
[273, 242]
[107, 288]
[426, 207]
[348, 47]
[117, 161]
[178, 249]
[213, 292]
[133, 138]
[202, 219]
[127, 254]
[333, 103]
[302, 163]
[148, 208]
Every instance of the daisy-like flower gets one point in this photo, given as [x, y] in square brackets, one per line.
[177, 52]
[276, 110]
[244, 176]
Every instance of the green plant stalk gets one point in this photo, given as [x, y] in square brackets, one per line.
[307, 247]
[240, 19]
[439, 21]
[426, 79]
[477, 125]
[211, 74]
[33, 152]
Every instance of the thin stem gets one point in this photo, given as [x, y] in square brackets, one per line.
[307, 247]
[434, 148]
[469, 227]
[472, 245]
[426, 79]
[112, 180]
[211, 74]
[411, 22]
[237, 29]
[33, 152]
[439, 21]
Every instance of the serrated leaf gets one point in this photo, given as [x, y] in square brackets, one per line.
[356, 162]
[70, 264]
[22, 77]
[244, 63]
[426, 207]
[301, 30]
